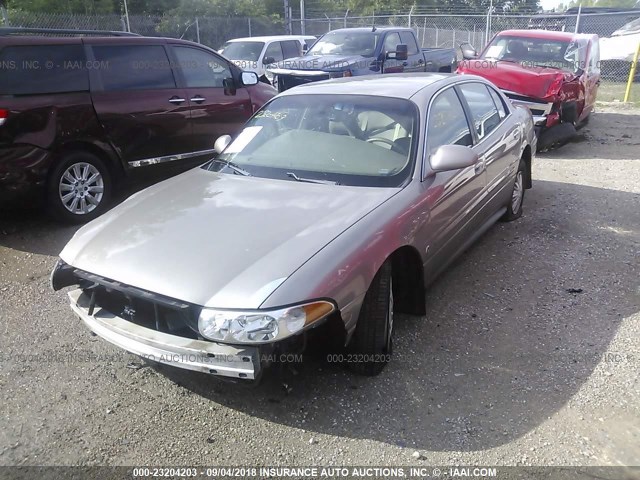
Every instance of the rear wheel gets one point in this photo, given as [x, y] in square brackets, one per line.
[514, 208]
[371, 345]
[79, 188]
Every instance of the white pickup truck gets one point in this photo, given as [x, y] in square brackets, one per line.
[253, 54]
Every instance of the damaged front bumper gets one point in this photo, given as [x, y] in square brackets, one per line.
[539, 108]
[202, 356]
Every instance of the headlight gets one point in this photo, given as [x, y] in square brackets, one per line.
[260, 326]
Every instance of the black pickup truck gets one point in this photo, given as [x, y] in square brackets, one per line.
[361, 51]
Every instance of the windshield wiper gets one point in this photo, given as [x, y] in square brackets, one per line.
[229, 164]
[310, 180]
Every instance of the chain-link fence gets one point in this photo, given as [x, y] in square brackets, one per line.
[210, 31]
[432, 30]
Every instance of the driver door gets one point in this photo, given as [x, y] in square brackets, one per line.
[215, 108]
[450, 200]
[391, 42]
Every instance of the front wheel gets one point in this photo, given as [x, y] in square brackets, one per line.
[514, 207]
[371, 345]
[79, 188]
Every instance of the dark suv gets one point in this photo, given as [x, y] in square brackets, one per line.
[79, 113]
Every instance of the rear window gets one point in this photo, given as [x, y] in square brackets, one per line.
[134, 67]
[42, 69]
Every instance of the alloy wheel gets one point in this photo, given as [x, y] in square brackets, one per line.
[81, 188]
[517, 194]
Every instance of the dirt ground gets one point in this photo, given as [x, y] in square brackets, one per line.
[529, 354]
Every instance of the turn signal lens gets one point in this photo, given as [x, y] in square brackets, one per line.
[4, 114]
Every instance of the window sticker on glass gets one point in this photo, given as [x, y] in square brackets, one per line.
[494, 51]
[243, 139]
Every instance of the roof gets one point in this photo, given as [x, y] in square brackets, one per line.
[546, 34]
[398, 85]
[370, 29]
[269, 38]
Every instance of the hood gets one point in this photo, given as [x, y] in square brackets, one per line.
[218, 240]
[526, 80]
[324, 62]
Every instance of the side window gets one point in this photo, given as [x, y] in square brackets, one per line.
[410, 41]
[28, 70]
[483, 111]
[200, 68]
[274, 50]
[391, 41]
[291, 48]
[134, 67]
[447, 124]
[502, 108]
[309, 42]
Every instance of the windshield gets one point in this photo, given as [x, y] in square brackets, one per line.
[242, 50]
[538, 52]
[346, 43]
[345, 139]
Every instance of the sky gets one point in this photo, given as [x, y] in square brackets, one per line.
[550, 4]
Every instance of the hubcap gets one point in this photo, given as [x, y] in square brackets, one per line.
[81, 188]
[516, 196]
[390, 317]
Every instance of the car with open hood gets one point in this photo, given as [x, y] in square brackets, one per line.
[336, 205]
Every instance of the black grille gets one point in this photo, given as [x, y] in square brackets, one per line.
[141, 307]
[286, 82]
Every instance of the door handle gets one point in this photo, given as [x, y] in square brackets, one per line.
[479, 166]
[177, 100]
[197, 99]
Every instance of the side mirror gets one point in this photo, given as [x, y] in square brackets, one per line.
[452, 157]
[221, 143]
[468, 52]
[268, 60]
[305, 49]
[401, 53]
[249, 78]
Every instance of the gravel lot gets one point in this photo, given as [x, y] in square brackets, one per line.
[529, 355]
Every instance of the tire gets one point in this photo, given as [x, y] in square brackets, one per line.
[514, 207]
[370, 347]
[556, 136]
[79, 188]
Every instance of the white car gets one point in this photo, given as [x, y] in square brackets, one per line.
[253, 54]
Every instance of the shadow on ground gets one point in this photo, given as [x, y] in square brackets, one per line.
[611, 136]
[513, 330]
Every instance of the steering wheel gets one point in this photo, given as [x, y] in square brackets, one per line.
[381, 140]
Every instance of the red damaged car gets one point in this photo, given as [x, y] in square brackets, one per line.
[555, 74]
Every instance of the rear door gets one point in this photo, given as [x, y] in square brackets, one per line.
[144, 114]
[415, 60]
[218, 107]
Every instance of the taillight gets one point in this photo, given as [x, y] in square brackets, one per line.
[4, 114]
